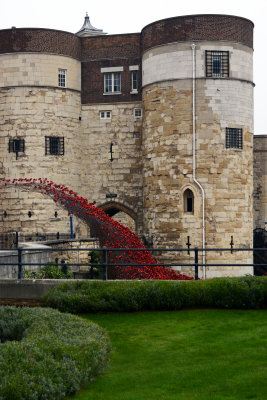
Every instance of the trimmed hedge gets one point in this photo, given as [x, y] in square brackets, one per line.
[248, 292]
[45, 354]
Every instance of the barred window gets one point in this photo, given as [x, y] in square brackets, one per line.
[16, 145]
[54, 145]
[234, 138]
[217, 64]
[62, 77]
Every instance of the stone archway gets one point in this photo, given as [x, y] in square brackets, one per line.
[121, 213]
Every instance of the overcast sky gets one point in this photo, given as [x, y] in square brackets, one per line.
[125, 16]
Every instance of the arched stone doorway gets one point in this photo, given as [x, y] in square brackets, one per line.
[121, 213]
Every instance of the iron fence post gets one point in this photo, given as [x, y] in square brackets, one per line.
[196, 263]
[105, 261]
[20, 267]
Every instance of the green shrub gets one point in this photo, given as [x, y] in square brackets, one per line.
[95, 257]
[50, 271]
[45, 354]
[249, 292]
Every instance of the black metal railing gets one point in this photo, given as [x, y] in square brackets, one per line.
[11, 240]
[106, 252]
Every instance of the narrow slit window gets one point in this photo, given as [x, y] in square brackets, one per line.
[134, 81]
[188, 201]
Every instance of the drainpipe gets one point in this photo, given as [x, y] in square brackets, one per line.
[195, 157]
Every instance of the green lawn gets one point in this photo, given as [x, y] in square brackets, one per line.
[183, 355]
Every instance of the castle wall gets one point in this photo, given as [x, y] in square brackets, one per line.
[188, 28]
[33, 113]
[122, 176]
[48, 41]
[224, 173]
[35, 69]
[260, 181]
[174, 61]
[138, 165]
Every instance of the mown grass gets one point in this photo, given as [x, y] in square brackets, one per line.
[183, 355]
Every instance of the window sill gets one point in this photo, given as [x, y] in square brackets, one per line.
[134, 92]
[111, 93]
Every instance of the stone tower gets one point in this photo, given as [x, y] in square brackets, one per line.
[40, 81]
[197, 135]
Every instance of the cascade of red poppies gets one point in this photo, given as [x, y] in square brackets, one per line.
[110, 233]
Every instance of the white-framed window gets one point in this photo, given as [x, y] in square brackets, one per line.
[112, 82]
[105, 114]
[134, 77]
[138, 112]
[62, 77]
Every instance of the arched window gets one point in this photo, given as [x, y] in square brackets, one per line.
[188, 201]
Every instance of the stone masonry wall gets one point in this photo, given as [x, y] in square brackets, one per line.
[225, 174]
[123, 175]
[260, 181]
[32, 114]
[36, 69]
[174, 61]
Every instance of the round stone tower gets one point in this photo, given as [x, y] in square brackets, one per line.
[197, 136]
[40, 85]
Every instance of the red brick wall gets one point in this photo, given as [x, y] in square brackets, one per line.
[93, 81]
[39, 40]
[198, 27]
[110, 46]
[109, 51]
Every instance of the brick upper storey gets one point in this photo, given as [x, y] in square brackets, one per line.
[198, 27]
[123, 50]
[39, 40]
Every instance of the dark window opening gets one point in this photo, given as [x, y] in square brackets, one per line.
[217, 64]
[188, 201]
[134, 81]
[234, 138]
[16, 145]
[54, 145]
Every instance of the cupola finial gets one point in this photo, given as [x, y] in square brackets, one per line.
[88, 30]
